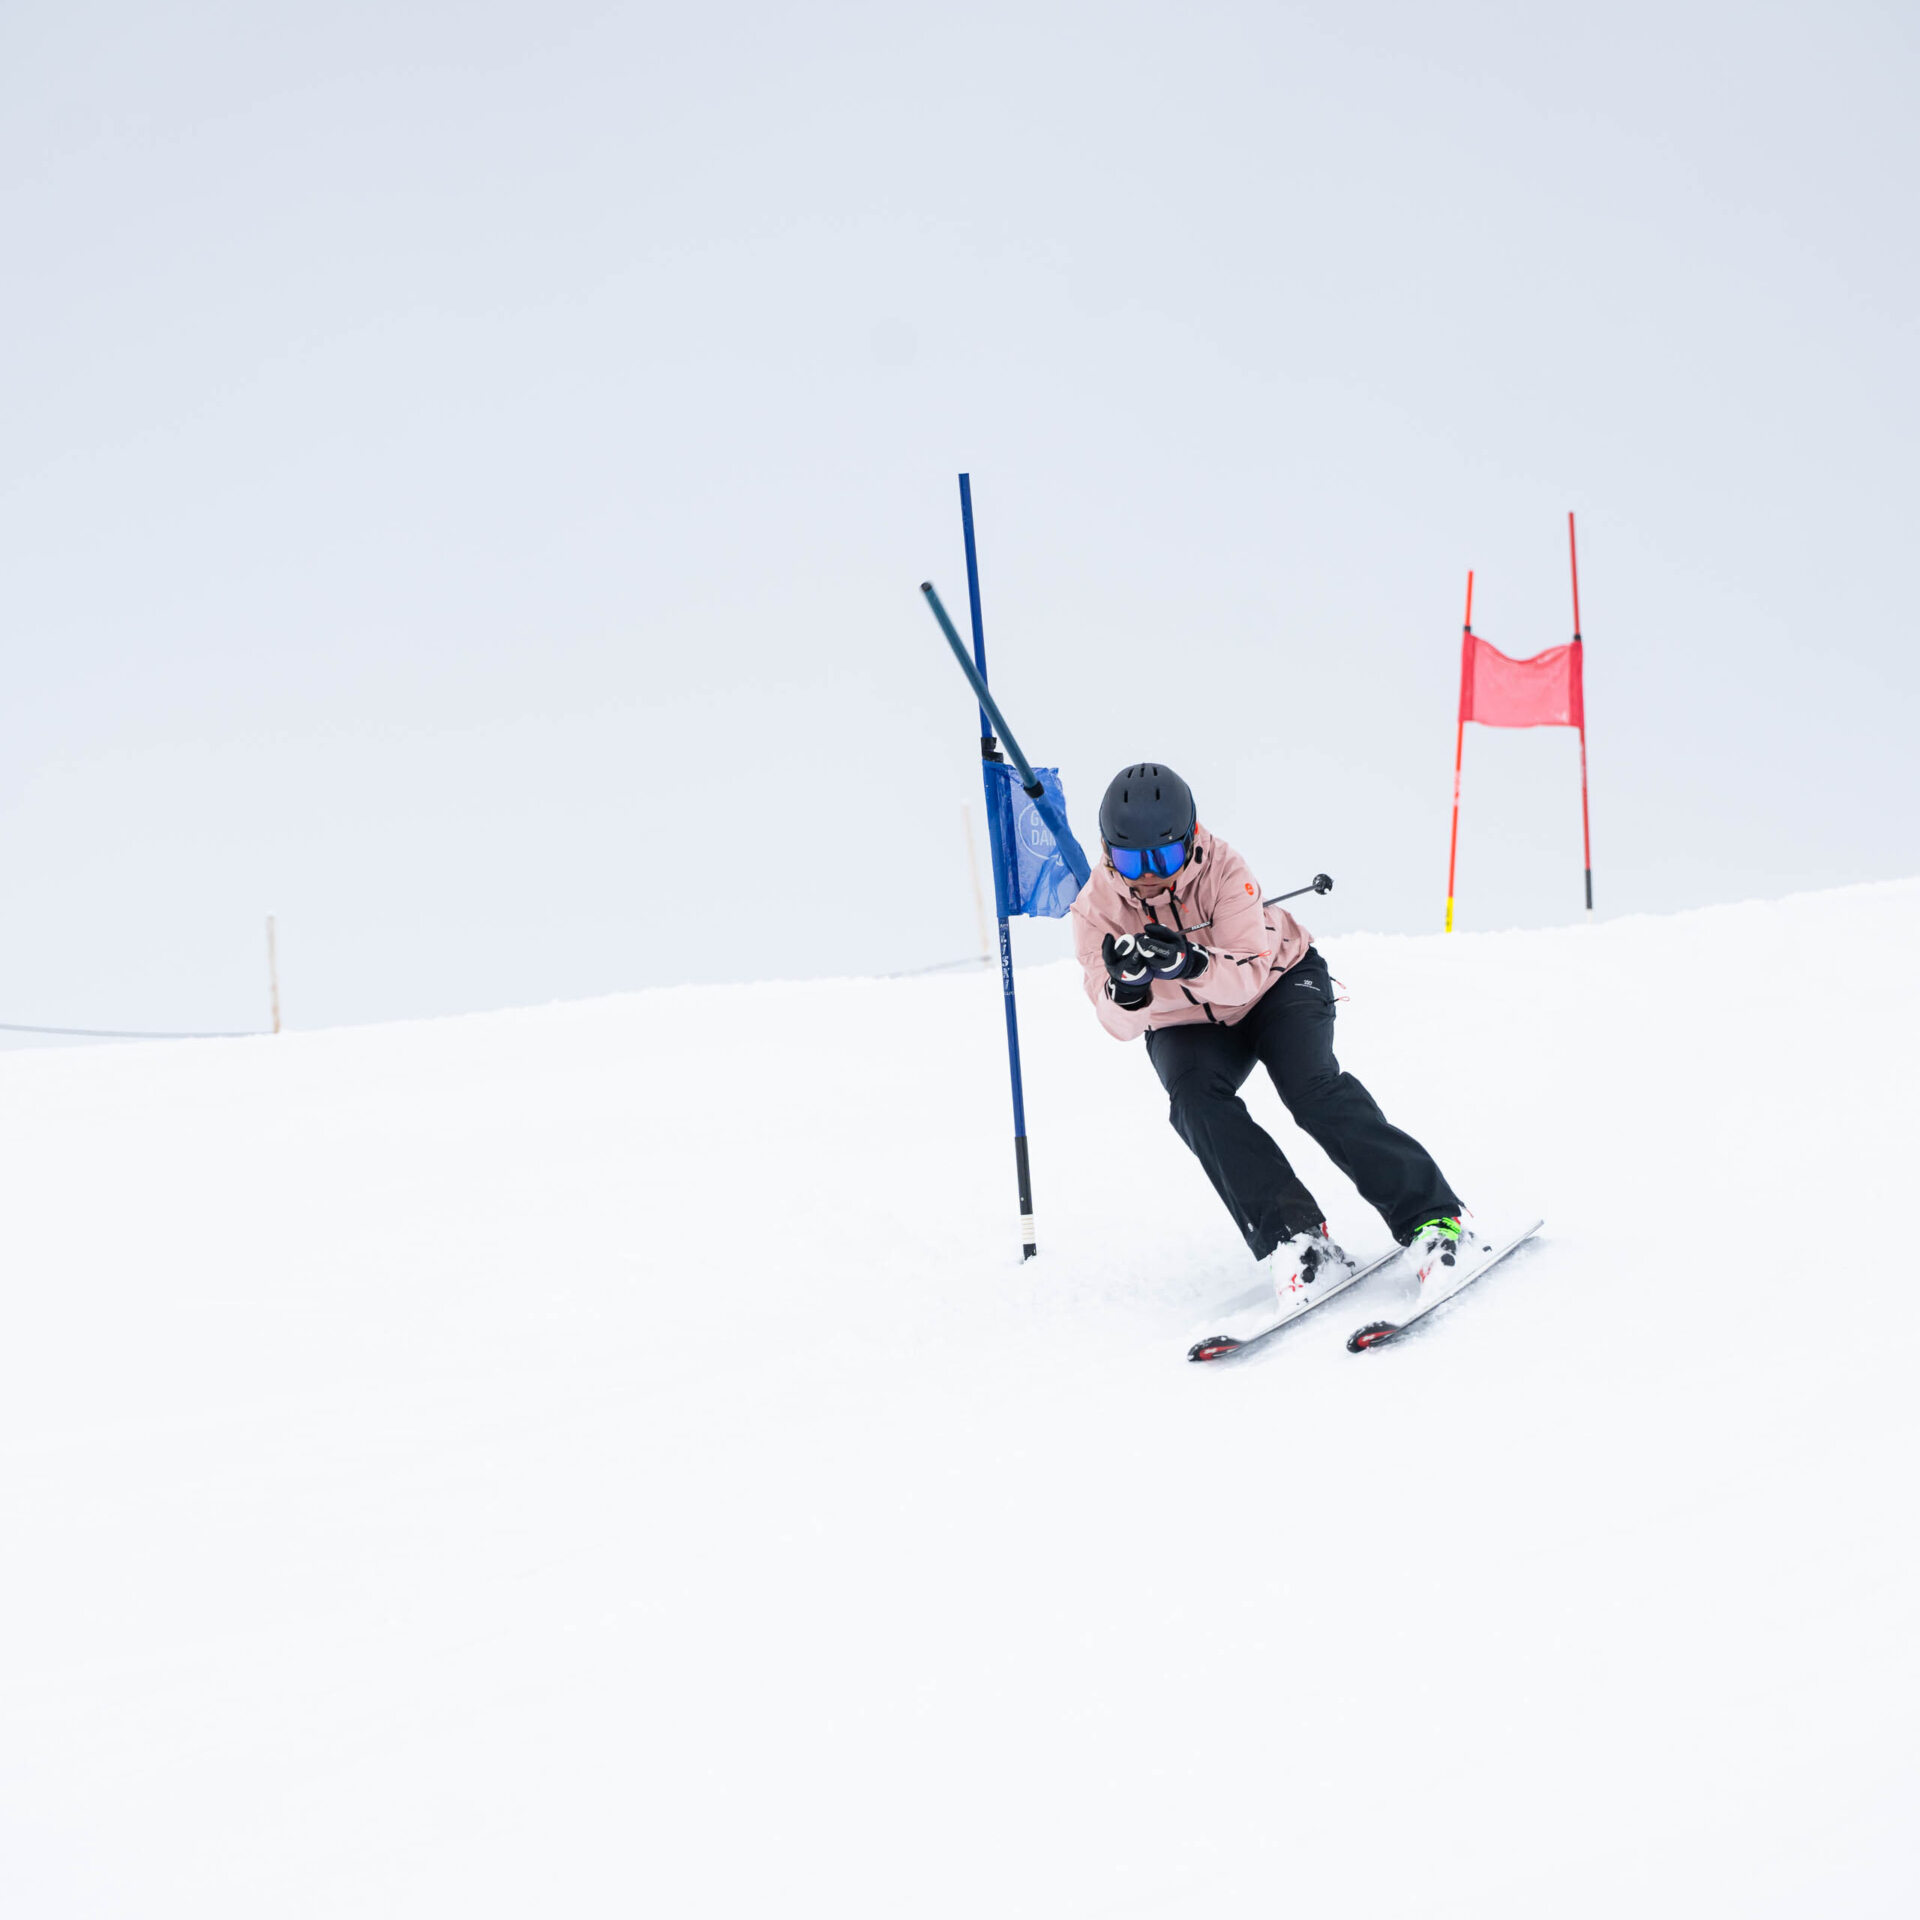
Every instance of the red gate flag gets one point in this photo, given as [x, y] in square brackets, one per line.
[1501, 692]
[1497, 691]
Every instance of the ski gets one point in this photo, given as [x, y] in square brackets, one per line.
[1217, 1346]
[1378, 1332]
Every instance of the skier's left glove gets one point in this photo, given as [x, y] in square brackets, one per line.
[1169, 954]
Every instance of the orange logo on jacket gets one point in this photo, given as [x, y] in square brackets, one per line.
[1249, 886]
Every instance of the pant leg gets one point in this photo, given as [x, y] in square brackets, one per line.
[1292, 1032]
[1203, 1069]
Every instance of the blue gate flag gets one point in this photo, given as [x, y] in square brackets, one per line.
[1030, 873]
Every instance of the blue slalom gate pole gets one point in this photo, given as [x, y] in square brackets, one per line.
[989, 750]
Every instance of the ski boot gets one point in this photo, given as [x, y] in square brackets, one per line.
[1441, 1251]
[1300, 1261]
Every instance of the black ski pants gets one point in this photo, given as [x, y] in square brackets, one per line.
[1289, 1031]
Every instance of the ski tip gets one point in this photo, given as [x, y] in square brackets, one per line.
[1375, 1334]
[1214, 1347]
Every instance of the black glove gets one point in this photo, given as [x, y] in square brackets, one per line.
[1169, 954]
[1129, 977]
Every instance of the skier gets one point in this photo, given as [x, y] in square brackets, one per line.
[1251, 988]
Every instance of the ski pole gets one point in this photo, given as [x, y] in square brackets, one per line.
[1320, 883]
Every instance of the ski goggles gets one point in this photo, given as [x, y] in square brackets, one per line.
[1131, 862]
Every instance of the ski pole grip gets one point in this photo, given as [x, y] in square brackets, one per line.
[1320, 883]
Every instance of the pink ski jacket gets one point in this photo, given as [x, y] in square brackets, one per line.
[1250, 945]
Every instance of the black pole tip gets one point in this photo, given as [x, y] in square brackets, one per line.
[1323, 883]
[926, 586]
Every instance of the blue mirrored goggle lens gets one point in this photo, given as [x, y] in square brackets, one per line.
[1131, 862]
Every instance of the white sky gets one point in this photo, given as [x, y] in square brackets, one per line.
[465, 472]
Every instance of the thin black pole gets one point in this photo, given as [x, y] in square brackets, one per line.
[1320, 883]
[990, 720]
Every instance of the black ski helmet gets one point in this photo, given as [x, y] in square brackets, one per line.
[1146, 806]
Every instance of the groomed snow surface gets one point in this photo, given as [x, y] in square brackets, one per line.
[609, 1459]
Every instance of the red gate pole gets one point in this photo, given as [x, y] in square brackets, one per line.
[1459, 742]
[1580, 664]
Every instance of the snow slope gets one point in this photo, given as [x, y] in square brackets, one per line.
[608, 1459]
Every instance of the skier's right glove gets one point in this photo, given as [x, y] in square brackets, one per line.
[1129, 975]
[1169, 954]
